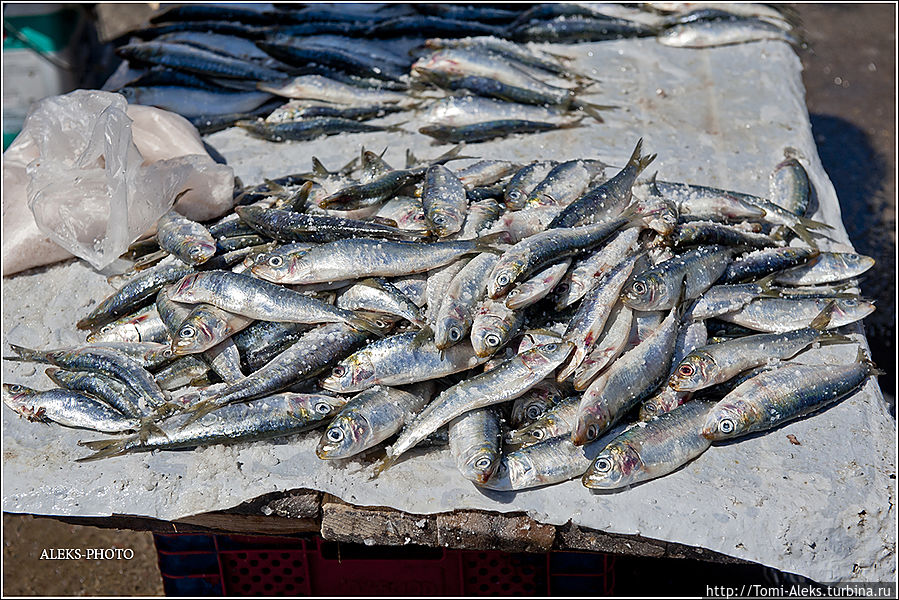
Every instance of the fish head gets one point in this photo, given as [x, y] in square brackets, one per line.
[445, 220]
[482, 463]
[313, 407]
[280, 268]
[696, 371]
[448, 331]
[351, 374]
[535, 432]
[615, 467]
[199, 332]
[644, 292]
[504, 277]
[345, 436]
[199, 251]
[20, 398]
[186, 290]
[488, 335]
[856, 263]
[725, 421]
[116, 332]
[546, 356]
[592, 420]
[848, 310]
[159, 353]
[534, 403]
[515, 198]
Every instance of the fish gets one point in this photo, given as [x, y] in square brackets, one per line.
[366, 420]
[485, 173]
[725, 298]
[608, 346]
[538, 286]
[198, 104]
[760, 263]
[789, 186]
[826, 267]
[778, 315]
[636, 373]
[505, 382]
[381, 296]
[358, 258]
[144, 325]
[462, 296]
[717, 363]
[309, 129]
[524, 181]
[206, 326]
[493, 326]
[488, 130]
[67, 408]
[196, 60]
[608, 199]
[697, 233]
[705, 203]
[712, 34]
[290, 226]
[547, 462]
[444, 201]
[133, 294]
[789, 392]
[271, 417]
[652, 449]
[587, 272]
[566, 182]
[659, 287]
[262, 300]
[535, 402]
[475, 440]
[399, 359]
[109, 390]
[325, 89]
[568, 30]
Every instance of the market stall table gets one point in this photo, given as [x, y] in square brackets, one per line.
[821, 508]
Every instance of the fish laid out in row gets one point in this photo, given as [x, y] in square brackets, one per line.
[342, 66]
[559, 319]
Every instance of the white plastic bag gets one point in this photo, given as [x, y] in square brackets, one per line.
[91, 190]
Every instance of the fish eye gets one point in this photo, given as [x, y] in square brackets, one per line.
[515, 194]
[562, 288]
[323, 407]
[187, 332]
[335, 434]
[380, 324]
[455, 334]
[339, 371]
[275, 261]
[726, 426]
[686, 370]
[592, 432]
[167, 352]
[483, 463]
[639, 288]
[107, 328]
[537, 434]
[550, 347]
[439, 220]
[492, 339]
[502, 280]
[533, 411]
[14, 388]
[650, 407]
[850, 302]
[603, 465]
[195, 251]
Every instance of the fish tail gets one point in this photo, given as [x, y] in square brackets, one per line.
[148, 426]
[106, 448]
[576, 123]
[198, 411]
[828, 339]
[298, 202]
[637, 160]
[863, 357]
[26, 354]
[318, 169]
[149, 260]
[812, 224]
[804, 234]
[397, 127]
[411, 159]
[424, 335]
[821, 321]
[767, 285]
[454, 153]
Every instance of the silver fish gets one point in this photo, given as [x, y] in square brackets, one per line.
[475, 443]
[186, 239]
[67, 408]
[462, 296]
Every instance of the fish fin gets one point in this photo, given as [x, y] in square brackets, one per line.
[411, 159]
[382, 466]
[821, 321]
[106, 448]
[804, 234]
[148, 426]
[381, 221]
[199, 410]
[424, 335]
[273, 187]
[767, 285]
[812, 224]
[576, 123]
[487, 243]
[318, 169]
[297, 203]
[828, 339]
[148, 260]
[397, 127]
[365, 324]
[454, 153]
[349, 167]
[51, 372]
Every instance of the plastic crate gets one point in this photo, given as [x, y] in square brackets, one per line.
[238, 565]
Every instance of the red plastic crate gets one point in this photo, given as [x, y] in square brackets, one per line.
[239, 565]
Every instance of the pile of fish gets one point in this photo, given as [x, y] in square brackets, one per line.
[344, 65]
[552, 320]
